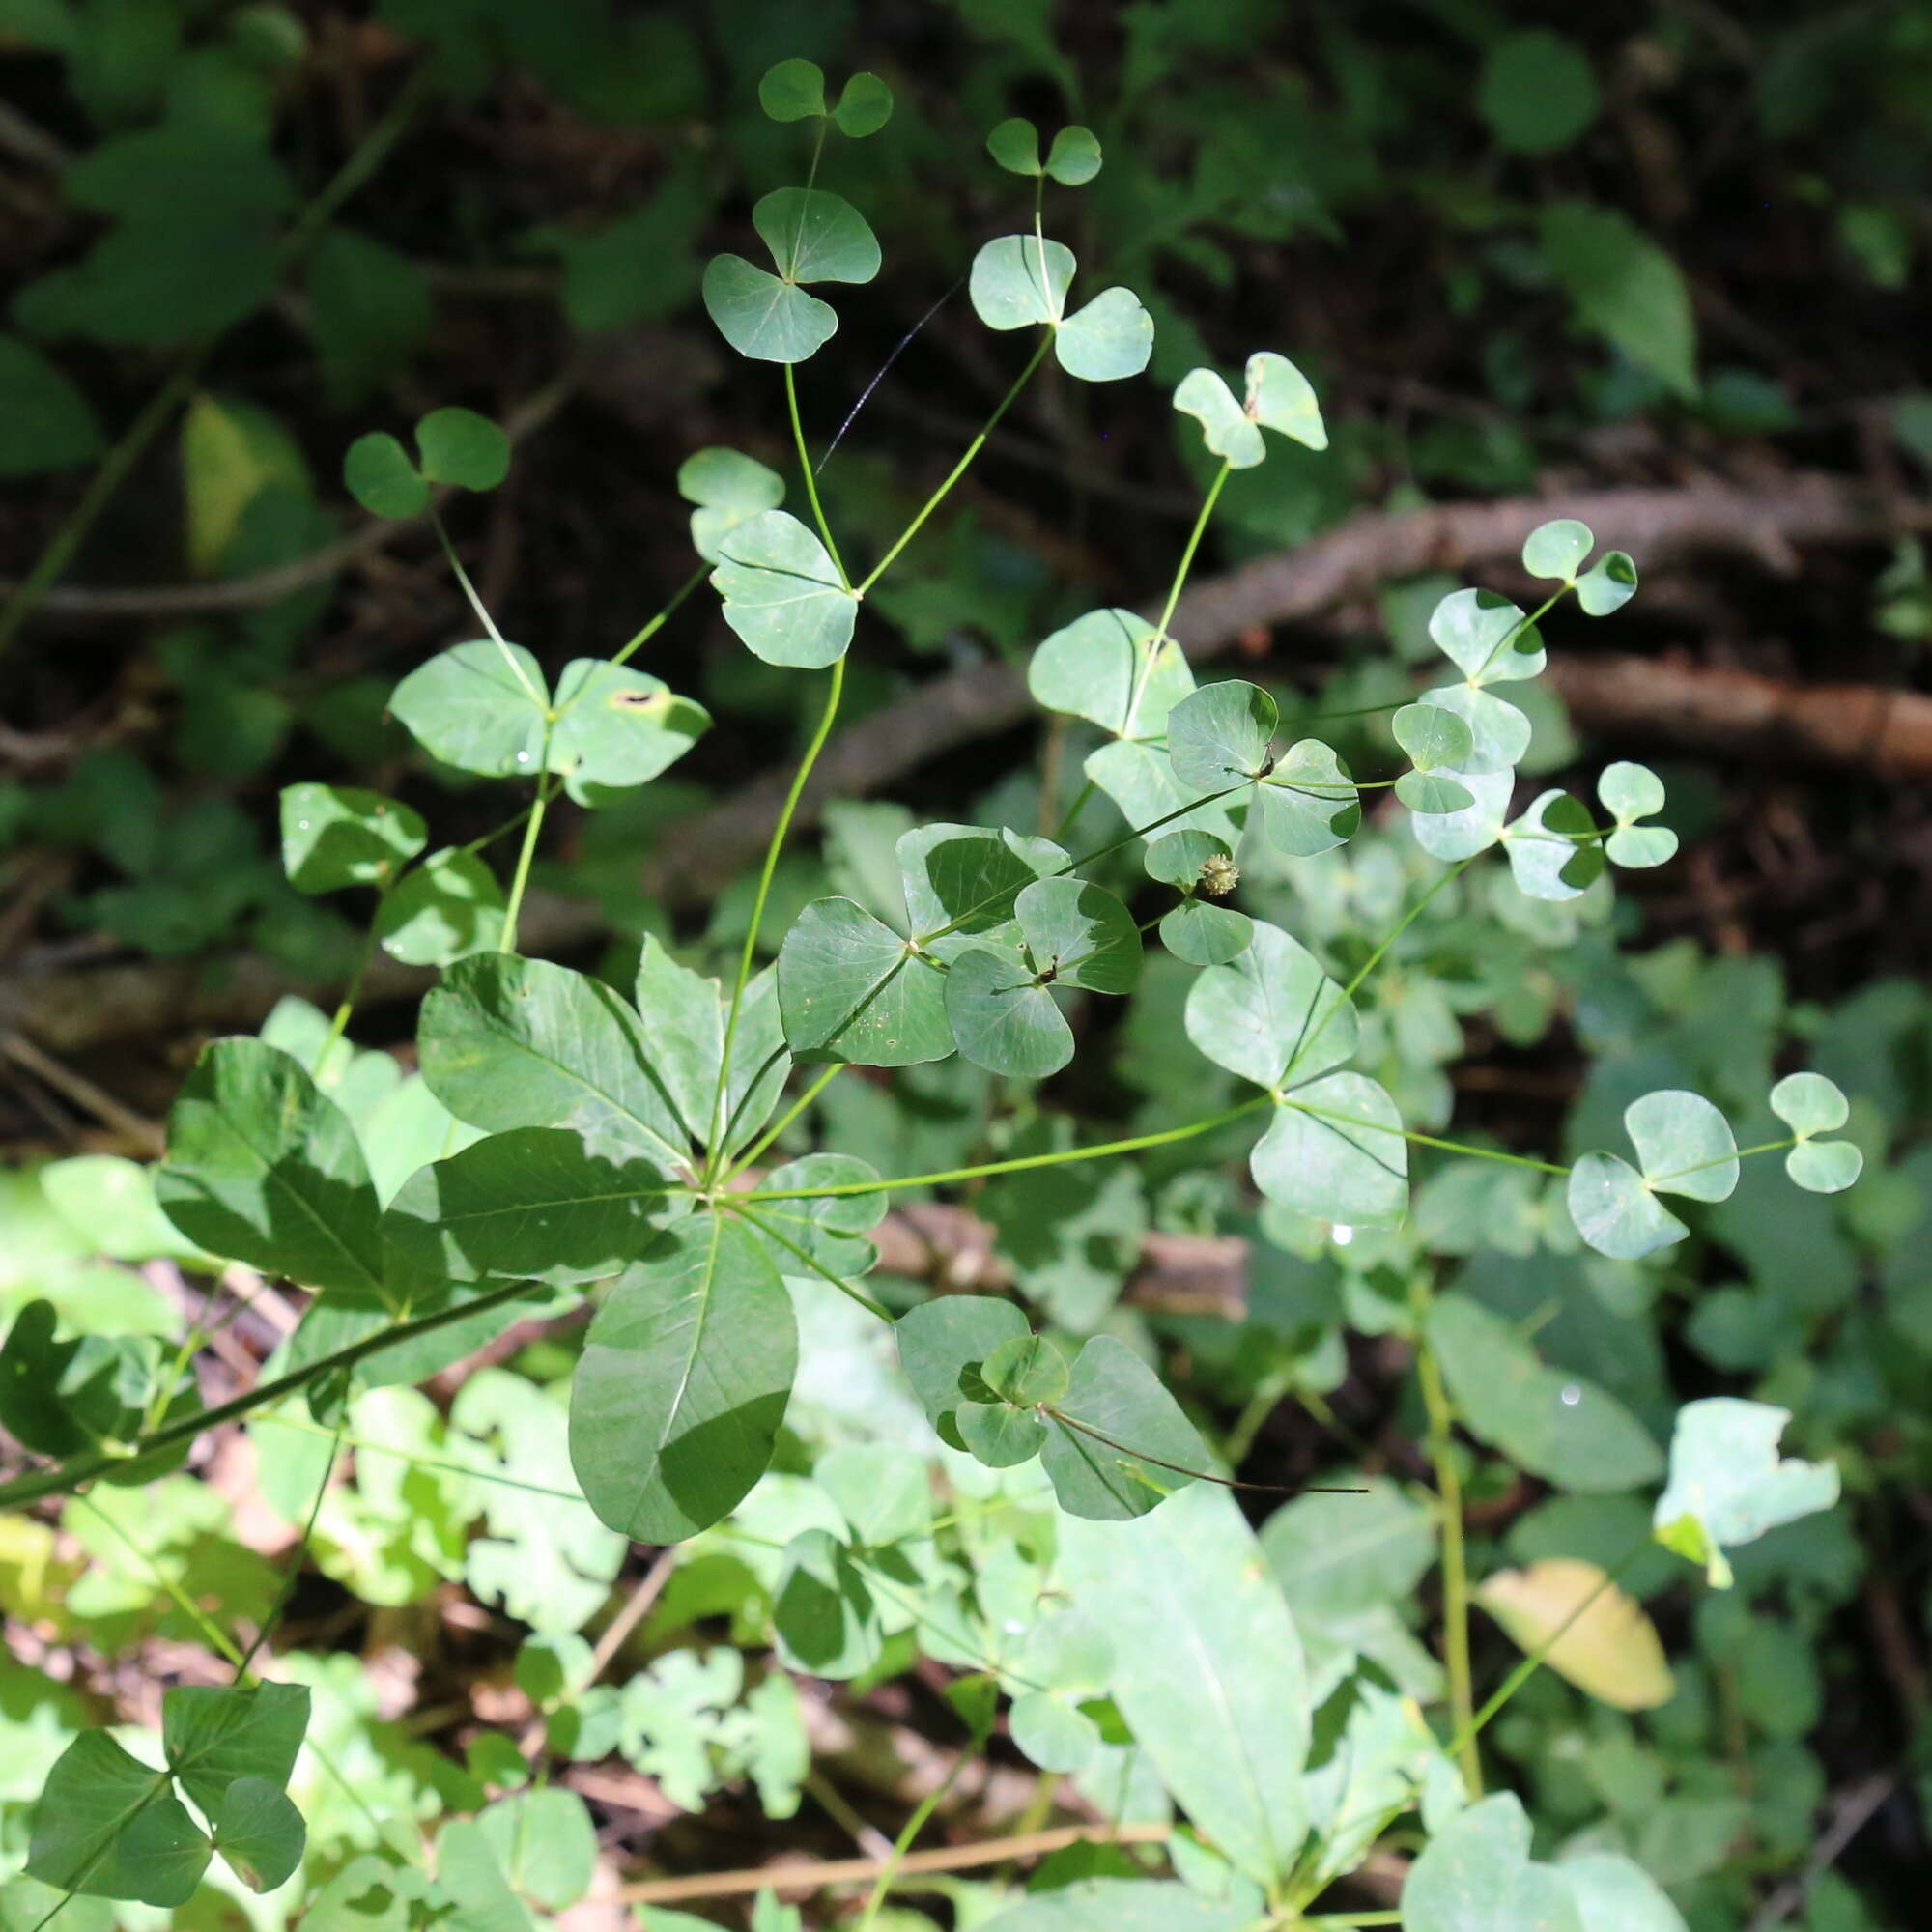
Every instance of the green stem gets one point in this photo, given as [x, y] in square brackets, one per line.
[1517, 629]
[812, 480]
[776, 845]
[1073, 810]
[346, 1005]
[298, 1558]
[914, 1825]
[66, 1477]
[416, 1461]
[786, 1118]
[527, 854]
[959, 469]
[51, 567]
[483, 615]
[1455, 1562]
[368, 156]
[1165, 1138]
[817, 1266]
[657, 623]
[211, 1633]
[1718, 1160]
[1408, 920]
[1143, 669]
[1422, 1140]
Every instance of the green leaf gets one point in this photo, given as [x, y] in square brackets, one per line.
[1335, 1151]
[448, 908]
[617, 727]
[942, 1339]
[1475, 1875]
[727, 487]
[369, 310]
[832, 1228]
[863, 107]
[1556, 548]
[1431, 792]
[46, 423]
[1153, 1448]
[783, 592]
[259, 1831]
[1219, 735]
[682, 1017]
[1625, 287]
[817, 237]
[1683, 1146]
[677, 1399]
[512, 1042]
[1108, 668]
[1078, 935]
[1309, 804]
[1728, 1485]
[1470, 829]
[468, 1874]
[212, 1736]
[1809, 1104]
[1271, 1013]
[764, 318]
[969, 877]
[1026, 1371]
[1139, 778]
[1538, 93]
[1190, 861]
[1615, 1212]
[337, 836]
[1206, 935]
[825, 1622]
[1003, 1018]
[998, 1434]
[1209, 1671]
[852, 989]
[1277, 396]
[1016, 146]
[1020, 279]
[532, 1203]
[1074, 158]
[1432, 736]
[460, 447]
[1630, 792]
[1614, 1895]
[480, 707]
[1122, 1905]
[1108, 338]
[545, 1845]
[1553, 850]
[1608, 585]
[1552, 1424]
[109, 1827]
[792, 90]
[377, 471]
[1488, 638]
[262, 1169]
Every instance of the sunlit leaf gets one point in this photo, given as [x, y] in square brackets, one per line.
[783, 593]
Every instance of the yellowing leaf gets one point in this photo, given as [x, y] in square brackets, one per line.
[1611, 1650]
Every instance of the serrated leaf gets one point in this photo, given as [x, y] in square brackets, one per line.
[1728, 1485]
[337, 835]
[676, 1403]
[1020, 279]
[783, 592]
[479, 707]
[1590, 1632]
[262, 1167]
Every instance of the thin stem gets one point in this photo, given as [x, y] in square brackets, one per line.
[812, 479]
[958, 469]
[1165, 1138]
[1455, 1563]
[351, 993]
[52, 562]
[1516, 630]
[416, 1461]
[914, 1825]
[1145, 668]
[211, 1633]
[1422, 1140]
[548, 789]
[359, 167]
[1181, 1469]
[295, 1561]
[66, 1477]
[525, 856]
[817, 1266]
[1718, 1160]
[1402, 924]
[785, 1119]
[833, 692]
[657, 623]
[483, 615]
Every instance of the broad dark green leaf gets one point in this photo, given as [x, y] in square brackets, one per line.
[681, 1019]
[850, 988]
[943, 1338]
[212, 1736]
[46, 422]
[1152, 1448]
[512, 1042]
[446, 909]
[683, 1382]
[824, 1616]
[1003, 1018]
[259, 1831]
[109, 1827]
[459, 446]
[262, 1169]
[337, 836]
